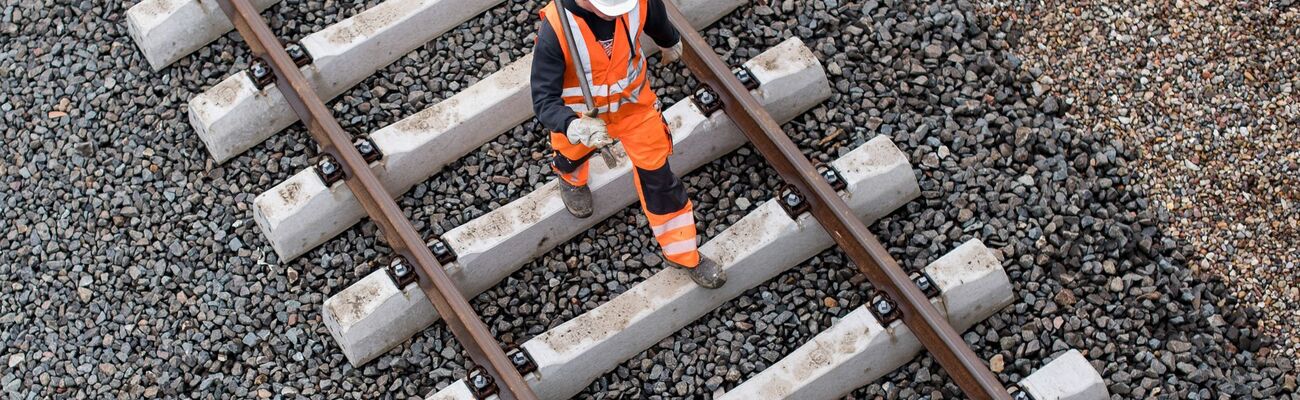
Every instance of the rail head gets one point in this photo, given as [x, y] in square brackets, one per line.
[341, 158]
[933, 330]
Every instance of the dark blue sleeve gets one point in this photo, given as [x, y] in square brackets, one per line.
[548, 81]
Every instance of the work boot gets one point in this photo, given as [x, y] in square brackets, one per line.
[708, 274]
[577, 199]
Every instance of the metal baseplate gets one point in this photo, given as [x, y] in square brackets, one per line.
[368, 150]
[399, 269]
[328, 169]
[441, 250]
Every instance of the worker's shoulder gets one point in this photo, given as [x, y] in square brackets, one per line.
[545, 33]
[547, 43]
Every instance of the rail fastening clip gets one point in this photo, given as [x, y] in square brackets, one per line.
[260, 73]
[368, 150]
[521, 359]
[832, 176]
[298, 53]
[746, 77]
[399, 269]
[1018, 393]
[792, 201]
[481, 385]
[926, 284]
[885, 310]
[329, 169]
[441, 250]
[707, 100]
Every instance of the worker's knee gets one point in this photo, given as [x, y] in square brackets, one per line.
[568, 165]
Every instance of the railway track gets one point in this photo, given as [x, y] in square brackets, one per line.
[429, 280]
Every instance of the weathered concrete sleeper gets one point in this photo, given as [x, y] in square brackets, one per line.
[857, 349]
[1068, 377]
[167, 30]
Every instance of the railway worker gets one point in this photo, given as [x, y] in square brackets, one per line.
[607, 38]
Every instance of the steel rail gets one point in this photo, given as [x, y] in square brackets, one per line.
[401, 236]
[933, 330]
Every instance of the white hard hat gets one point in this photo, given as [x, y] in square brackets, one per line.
[614, 8]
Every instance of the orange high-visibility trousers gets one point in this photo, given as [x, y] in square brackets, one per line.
[648, 144]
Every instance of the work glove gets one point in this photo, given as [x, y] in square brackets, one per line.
[588, 131]
[669, 55]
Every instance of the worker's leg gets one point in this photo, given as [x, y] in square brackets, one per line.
[570, 160]
[663, 196]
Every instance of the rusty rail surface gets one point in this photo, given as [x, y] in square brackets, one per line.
[354, 169]
[816, 195]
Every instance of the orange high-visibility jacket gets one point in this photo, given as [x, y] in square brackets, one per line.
[618, 81]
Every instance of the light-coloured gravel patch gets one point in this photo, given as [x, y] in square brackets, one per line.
[1208, 91]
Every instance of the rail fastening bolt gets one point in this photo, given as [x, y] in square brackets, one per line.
[706, 97]
[883, 307]
[259, 70]
[479, 381]
[923, 283]
[792, 199]
[327, 167]
[364, 146]
[830, 176]
[400, 269]
[743, 75]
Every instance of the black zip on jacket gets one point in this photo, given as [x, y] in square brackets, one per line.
[549, 61]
